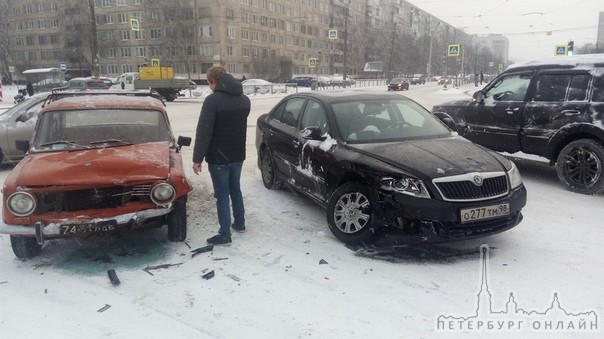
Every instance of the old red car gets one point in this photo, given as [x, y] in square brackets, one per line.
[98, 162]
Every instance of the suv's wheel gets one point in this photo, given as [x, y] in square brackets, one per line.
[25, 247]
[349, 214]
[267, 168]
[177, 220]
[580, 166]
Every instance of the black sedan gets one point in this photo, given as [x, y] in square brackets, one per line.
[398, 84]
[382, 164]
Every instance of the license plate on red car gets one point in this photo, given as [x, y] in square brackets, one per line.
[105, 226]
[484, 212]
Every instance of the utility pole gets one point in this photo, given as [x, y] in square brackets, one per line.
[345, 43]
[94, 50]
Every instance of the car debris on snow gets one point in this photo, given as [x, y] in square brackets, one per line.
[149, 268]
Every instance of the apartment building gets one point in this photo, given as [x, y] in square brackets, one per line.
[271, 39]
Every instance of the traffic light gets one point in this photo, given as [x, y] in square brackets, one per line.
[444, 58]
[570, 48]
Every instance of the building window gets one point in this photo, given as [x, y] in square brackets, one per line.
[138, 35]
[32, 56]
[207, 50]
[155, 33]
[206, 31]
[230, 14]
[121, 2]
[124, 35]
[231, 68]
[123, 18]
[154, 16]
[231, 32]
[126, 68]
[230, 51]
[126, 52]
[140, 51]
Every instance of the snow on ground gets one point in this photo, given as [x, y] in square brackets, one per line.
[288, 277]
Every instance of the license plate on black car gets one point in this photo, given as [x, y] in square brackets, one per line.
[484, 212]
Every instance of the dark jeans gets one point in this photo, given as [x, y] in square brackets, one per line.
[225, 178]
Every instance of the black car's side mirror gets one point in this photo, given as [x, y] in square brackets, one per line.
[22, 145]
[478, 97]
[312, 133]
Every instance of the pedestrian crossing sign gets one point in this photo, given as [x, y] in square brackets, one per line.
[454, 50]
[312, 62]
[134, 24]
[560, 50]
[333, 34]
[154, 61]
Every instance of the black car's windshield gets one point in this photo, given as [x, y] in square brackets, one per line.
[396, 80]
[59, 130]
[385, 120]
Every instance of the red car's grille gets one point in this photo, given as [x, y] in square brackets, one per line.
[96, 198]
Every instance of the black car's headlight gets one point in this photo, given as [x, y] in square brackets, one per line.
[405, 185]
[162, 194]
[21, 204]
[515, 177]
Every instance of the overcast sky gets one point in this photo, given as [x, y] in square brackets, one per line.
[533, 27]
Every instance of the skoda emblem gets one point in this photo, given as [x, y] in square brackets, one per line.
[477, 180]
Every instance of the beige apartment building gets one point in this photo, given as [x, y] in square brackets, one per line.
[270, 39]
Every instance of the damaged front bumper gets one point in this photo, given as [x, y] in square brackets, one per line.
[412, 221]
[72, 227]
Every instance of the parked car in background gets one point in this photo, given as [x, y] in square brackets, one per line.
[418, 79]
[382, 163]
[303, 81]
[444, 80]
[398, 84]
[340, 80]
[261, 86]
[552, 107]
[107, 166]
[17, 123]
[88, 84]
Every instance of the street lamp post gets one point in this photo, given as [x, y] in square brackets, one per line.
[345, 44]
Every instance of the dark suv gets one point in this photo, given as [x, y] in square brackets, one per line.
[550, 107]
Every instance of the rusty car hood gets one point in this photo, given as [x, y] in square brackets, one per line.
[141, 162]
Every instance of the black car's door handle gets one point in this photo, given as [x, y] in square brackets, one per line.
[511, 110]
[570, 112]
[296, 143]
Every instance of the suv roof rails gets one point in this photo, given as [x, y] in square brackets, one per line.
[61, 92]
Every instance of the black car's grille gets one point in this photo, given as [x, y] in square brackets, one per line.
[464, 190]
[460, 231]
[97, 198]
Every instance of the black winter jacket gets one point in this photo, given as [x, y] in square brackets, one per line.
[222, 125]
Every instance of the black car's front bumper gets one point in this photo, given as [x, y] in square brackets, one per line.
[413, 221]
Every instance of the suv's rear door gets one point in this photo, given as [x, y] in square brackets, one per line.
[558, 99]
[496, 122]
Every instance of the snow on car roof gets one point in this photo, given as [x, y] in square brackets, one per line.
[569, 61]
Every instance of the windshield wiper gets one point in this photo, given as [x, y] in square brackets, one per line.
[63, 142]
[110, 141]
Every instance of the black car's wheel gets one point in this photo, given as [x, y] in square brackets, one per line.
[267, 168]
[177, 220]
[580, 166]
[25, 247]
[349, 214]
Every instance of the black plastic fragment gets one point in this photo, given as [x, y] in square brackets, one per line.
[201, 250]
[208, 275]
[113, 277]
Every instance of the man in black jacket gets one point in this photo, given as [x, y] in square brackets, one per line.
[220, 140]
